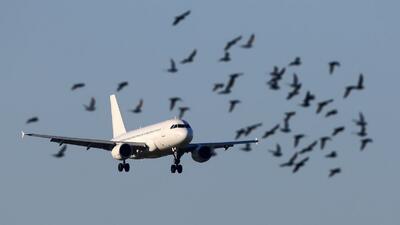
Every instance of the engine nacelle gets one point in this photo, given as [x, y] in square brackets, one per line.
[121, 152]
[202, 154]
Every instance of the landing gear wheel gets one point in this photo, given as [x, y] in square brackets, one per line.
[127, 167]
[179, 168]
[120, 167]
[173, 168]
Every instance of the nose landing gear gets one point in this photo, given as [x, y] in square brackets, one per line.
[176, 167]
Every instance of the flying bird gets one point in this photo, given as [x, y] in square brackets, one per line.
[309, 148]
[251, 128]
[273, 84]
[232, 43]
[246, 148]
[278, 73]
[295, 83]
[338, 130]
[138, 108]
[122, 85]
[334, 171]
[359, 86]
[307, 99]
[332, 66]
[172, 68]
[290, 162]
[362, 132]
[364, 143]
[190, 58]
[277, 152]
[249, 43]
[300, 164]
[348, 90]
[92, 105]
[240, 132]
[61, 152]
[271, 132]
[180, 17]
[77, 86]
[172, 102]
[182, 111]
[217, 86]
[231, 82]
[361, 120]
[297, 139]
[232, 104]
[323, 141]
[226, 58]
[331, 155]
[322, 104]
[294, 92]
[296, 62]
[32, 120]
[332, 112]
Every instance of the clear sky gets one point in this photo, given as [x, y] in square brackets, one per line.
[46, 46]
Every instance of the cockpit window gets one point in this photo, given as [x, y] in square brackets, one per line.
[180, 126]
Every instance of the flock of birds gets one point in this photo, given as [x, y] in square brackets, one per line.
[302, 155]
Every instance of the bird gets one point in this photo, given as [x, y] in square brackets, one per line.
[92, 105]
[271, 132]
[294, 92]
[226, 58]
[332, 66]
[251, 128]
[288, 116]
[217, 86]
[233, 103]
[332, 154]
[307, 99]
[277, 152]
[348, 90]
[246, 148]
[190, 58]
[300, 164]
[323, 141]
[249, 43]
[122, 85]
[77, 85]
[240, 132]
[232, 42]
[364, 143]
[291, 161]
[331, 113]
[231, 82]
[309, 148]
[32, 120]
[360, 83]
[296, 62]
[338, 130]
[322, 104]
[286, 127]
[182, 111]
[278, 73]
[173, 101]
[334, 171]
[138, 108]
[359, 86]
[61, 152]
[180, 17]
[172, 68]
[362, 132]
[273, 84]
[361, 120]
[295, 83]
[297, 139]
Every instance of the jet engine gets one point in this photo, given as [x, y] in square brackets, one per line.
[121, 152]
[202, 154]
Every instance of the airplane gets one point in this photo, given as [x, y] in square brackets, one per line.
[170, 137]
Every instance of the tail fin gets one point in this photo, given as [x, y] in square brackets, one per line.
[117, 122]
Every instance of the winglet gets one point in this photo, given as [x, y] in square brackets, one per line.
[22, 134]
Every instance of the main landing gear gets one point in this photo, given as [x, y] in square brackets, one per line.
[176, 167]
[123, 166]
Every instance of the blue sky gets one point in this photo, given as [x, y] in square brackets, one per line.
[46, 46]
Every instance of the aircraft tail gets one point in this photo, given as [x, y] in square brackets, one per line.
[117, 122]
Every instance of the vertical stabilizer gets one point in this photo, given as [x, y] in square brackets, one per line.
[117, 122]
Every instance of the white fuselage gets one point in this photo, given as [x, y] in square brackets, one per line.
[160, 138]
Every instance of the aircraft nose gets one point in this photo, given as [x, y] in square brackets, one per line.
[186, 135]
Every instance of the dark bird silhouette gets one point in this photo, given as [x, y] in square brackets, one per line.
[290, 162]
[307, 99]
[226, 58]
[359, 86]
[362, 132]
[288, 116]
[348, 90]
[240, 133]
[295, 83]
[138, 108]
[122, 85]
[61, 152]
[251, 128]
[338, 130]
[231, 82]
[323, 141]
[332, 112]
[294, 92]
[331, 155]
[232, 104]
[92, 105]
[361, 120]
[172, 102]
[309, 148]
[246, 148]
[32, 120]
[274, 84]
[334, 171]
[180, 17]
[278, 73]
[296, 62]
[249, 43]
[300, 164]
[322, 104]
[172, 68]
[77, 86]
[232, 43]
[182, 111]
[297, 139]
[277, 152]
[364, 143]
[286, 127]
[217, 86]
[271, 132]
[190, 58]
[332, 66]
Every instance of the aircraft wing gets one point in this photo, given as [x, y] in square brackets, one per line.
[214, 145]
[88, 143]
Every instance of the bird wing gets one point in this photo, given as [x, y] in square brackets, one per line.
[88, 143]
[215, 145]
